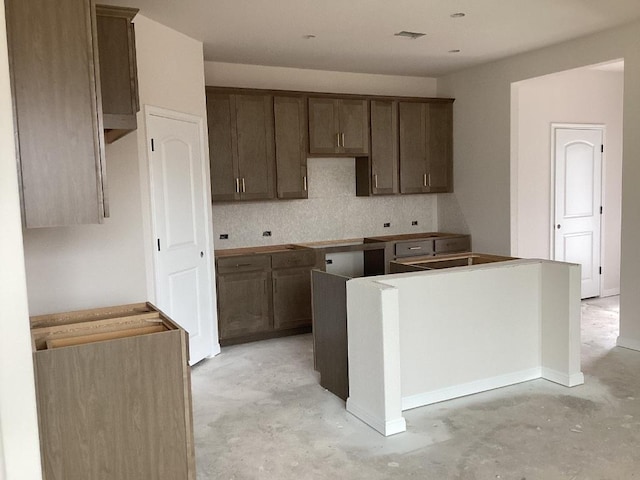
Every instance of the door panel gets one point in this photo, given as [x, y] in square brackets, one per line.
[354, 126]
[184, 287]
[221, 122]
[290, 114]
[256, 154]
[291, 298]
[323, 125]
[384, 147]
[440, 148]
[412, 147]
[578, 160]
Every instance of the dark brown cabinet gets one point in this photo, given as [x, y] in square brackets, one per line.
[291, 127]
[264, 295]
[378, 174]
[244, 296]
[426, 135]
[338, 126]
[241, 146]
[118, 71]
[56, 87]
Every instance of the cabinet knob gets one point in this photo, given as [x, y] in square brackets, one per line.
[559, 226]
[201, 254]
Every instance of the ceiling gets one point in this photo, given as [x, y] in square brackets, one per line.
[358, 35]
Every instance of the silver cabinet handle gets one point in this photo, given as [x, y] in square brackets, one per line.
[342, 136]
[244, 187]
[424, 180]
[429, 180]
[415, 248]
[304, 182]
[375, 180]
[338, 138]
[237, 185]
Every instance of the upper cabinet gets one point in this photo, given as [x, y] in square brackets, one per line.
[378, 175]
[338, 126]
[426, 160]
[56, 91]
[118, 71]
[291, 126]
[241, 146]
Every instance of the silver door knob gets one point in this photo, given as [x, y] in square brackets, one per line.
[559, 226]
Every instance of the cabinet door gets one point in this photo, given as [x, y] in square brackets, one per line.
[244, 300]
[384, 147]
[222, 156]
[118, 71]
[440, 149]
[290, 115]
[291, 298]
[53, 56]
[323, 125]
[413, 147]
[256, 153]
[354, 126]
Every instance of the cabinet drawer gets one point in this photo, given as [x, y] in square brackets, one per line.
[455, 244]
[244, 263]
[296, 258]
[414, 249]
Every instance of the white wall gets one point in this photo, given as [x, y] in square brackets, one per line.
[576, 96]
[19, 444]
[332, 211]
[221, 74]
[482, 149]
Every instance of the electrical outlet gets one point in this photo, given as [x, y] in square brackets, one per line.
[224, 236]
[386, 225]
[266, 233]
[414, 222]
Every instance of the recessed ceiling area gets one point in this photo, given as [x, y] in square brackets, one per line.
[359, 35]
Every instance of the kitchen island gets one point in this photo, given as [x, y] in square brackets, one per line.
[431, 335]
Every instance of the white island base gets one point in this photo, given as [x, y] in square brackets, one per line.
[419, 338]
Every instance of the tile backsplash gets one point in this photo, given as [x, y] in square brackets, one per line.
[331, 212]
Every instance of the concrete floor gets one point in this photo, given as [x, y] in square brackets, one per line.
[259, 413]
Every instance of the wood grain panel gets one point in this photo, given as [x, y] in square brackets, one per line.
[384, 147]
[58, 117]
[413, 147]
[354, 126]
[116, 409]
[222, 154]
[323, 125]
[291, 298]
[291, 126]
[440, 149]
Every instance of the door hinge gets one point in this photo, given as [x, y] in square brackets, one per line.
[153, 146]
[601, 148]
[600, 209]
[158, 244]
[600, 270]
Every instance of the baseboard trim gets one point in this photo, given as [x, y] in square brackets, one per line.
[628, 343]
[477, 386]
[564, 379]
[386, 428]
[610, 292]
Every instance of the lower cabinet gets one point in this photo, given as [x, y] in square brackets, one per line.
[114, 395]
[264, 295]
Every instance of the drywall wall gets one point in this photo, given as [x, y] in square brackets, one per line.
[577, 97]
[332, 210]
[19, 443]
[482, 154]
[170, 76]
[222, 74]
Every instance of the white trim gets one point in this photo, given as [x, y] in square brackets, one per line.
[629, 343]
[477, 386]
[610, 292]
[561, 378]
[552, 190]
[386, 428]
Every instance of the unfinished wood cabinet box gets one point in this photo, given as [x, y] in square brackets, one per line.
[113, 388]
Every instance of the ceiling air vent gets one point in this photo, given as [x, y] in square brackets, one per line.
[411, 35]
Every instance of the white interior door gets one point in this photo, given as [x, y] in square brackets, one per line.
[183, 266]
[578, 193]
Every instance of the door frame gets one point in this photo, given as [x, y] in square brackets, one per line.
[151, 110]
[552, 188]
